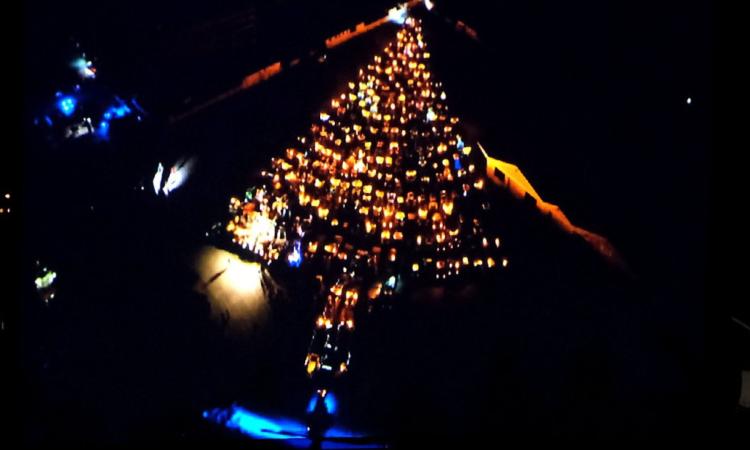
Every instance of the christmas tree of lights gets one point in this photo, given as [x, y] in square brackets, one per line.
[382, 189]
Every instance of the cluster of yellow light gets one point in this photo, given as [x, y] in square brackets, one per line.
[377, 187]
[339, 307]
[254, 224]
[358, 162]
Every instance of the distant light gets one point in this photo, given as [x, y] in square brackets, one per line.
[398, 14]
[103, 130]
[295, 256]
[45, 280]
[134, 102]
[431, 115]
[117, 112]
[177, 176]
[391, 283]
[7, 195]
[78, 63]
[157, 178]
[429, 5]
[85, 68]
[689, 100]
[67, 105]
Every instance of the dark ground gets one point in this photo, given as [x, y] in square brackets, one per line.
[589, 99]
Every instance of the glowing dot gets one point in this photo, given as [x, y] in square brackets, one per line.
[67, 105]
[7, 195]
[689, 100]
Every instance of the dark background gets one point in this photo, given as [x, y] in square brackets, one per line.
[587, 98]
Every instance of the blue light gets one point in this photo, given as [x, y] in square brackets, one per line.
[80, 63]
[137, 106]
[67, 105]
[48, 120]
[457, 163]
[460, 144]
[122, 111]
[252, 423]
[255, 425]
[292, 431]
[312, 403]
[295, 256]
[117, 111]
[331, 403]
[103, 130]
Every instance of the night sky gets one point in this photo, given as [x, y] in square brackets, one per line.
[588, 98]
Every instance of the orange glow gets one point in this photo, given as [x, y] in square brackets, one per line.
[261, 75]
[515, 181]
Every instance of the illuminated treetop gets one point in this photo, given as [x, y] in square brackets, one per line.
[383, 187]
